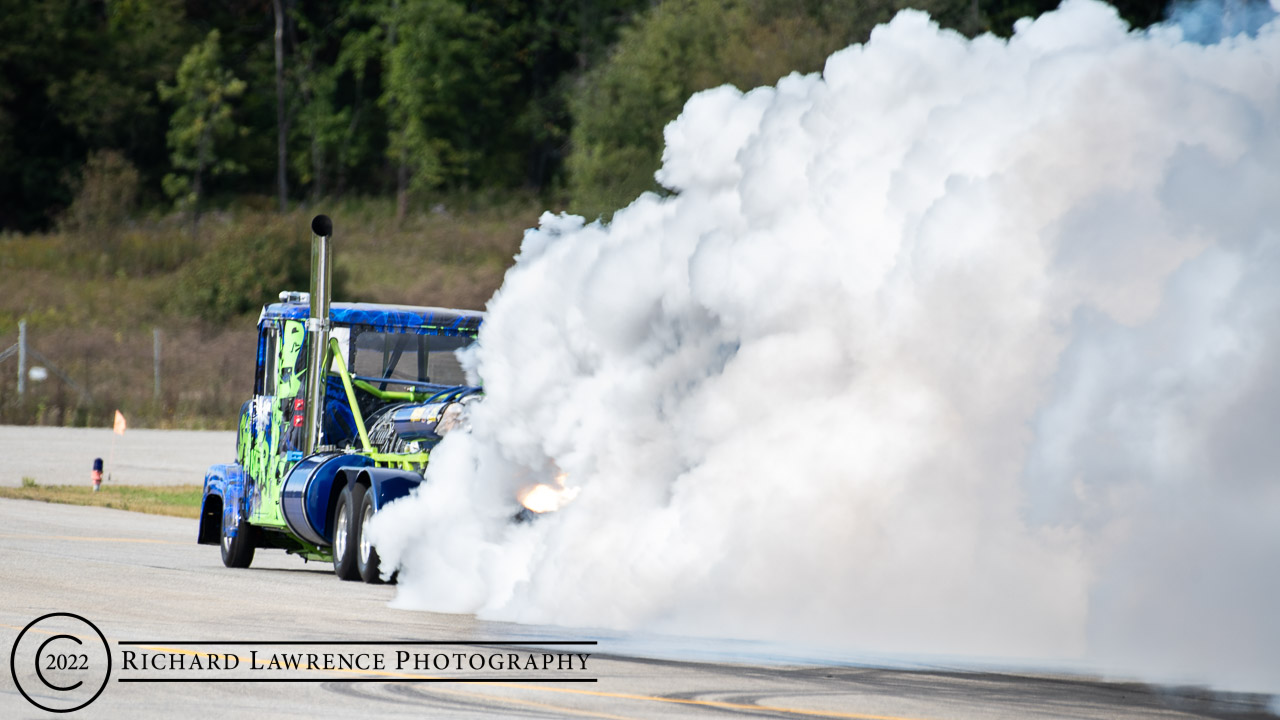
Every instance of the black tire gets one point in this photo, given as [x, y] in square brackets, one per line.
[237, 551]
[366, 555]
[345, 537]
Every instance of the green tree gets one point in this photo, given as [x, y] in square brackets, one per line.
[203, 118]
[245, 267]
[77, 77]
[105, 98]
[447, 72]
[682, 46]
[559, 42]
[998, 16]
[333, 131]
[282, 122]
[106, 191]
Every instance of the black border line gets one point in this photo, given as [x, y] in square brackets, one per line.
[358, 642]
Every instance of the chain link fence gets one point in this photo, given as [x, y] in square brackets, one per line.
[174, 377]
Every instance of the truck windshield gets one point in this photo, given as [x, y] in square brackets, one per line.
[406, 358]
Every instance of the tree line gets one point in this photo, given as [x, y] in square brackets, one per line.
[186, 101]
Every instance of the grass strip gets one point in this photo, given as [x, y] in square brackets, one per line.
[175, 500]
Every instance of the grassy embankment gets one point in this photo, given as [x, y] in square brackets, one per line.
[92, 299]
[176, 500]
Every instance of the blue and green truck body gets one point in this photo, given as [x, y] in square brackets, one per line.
[349, 400]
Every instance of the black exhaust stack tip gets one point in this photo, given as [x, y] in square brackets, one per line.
[322, 226]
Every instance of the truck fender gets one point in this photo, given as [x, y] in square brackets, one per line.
[387, 484]
[222, 502]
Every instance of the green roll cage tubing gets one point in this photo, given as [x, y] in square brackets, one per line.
[405, 461]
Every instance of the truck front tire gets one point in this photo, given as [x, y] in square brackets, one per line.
[237, 550]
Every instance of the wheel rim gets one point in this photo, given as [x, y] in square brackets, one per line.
[340, 533]
[365, 546]
[226, 536]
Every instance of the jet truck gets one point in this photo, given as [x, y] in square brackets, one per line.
[349, 399]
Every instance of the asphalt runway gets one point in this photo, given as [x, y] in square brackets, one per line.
[141, 579]
[64, 456]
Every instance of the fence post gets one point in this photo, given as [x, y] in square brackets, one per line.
[22, 356]
[156, 335]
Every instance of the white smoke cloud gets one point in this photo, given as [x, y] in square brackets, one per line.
[962, 347]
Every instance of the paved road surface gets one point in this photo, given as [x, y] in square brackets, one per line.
[141, 578]
[64, 456]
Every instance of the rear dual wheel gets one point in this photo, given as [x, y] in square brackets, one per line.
[354, 557]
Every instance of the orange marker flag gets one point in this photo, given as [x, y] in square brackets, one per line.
[119, 426]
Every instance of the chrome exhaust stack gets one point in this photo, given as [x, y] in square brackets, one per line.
[318, 327]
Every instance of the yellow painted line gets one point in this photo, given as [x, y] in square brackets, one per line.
[535, 704]
[38, 630]
[725, 705]
[90, 539]
[569, 691]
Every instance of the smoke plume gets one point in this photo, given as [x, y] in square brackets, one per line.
[962, 347]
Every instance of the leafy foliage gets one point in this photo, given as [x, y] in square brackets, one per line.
[203, 91]
[74, 77]
[682, 46]
[245, 268]
[442, 88]
[103, 100]
[106, 191]
[463, 95]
